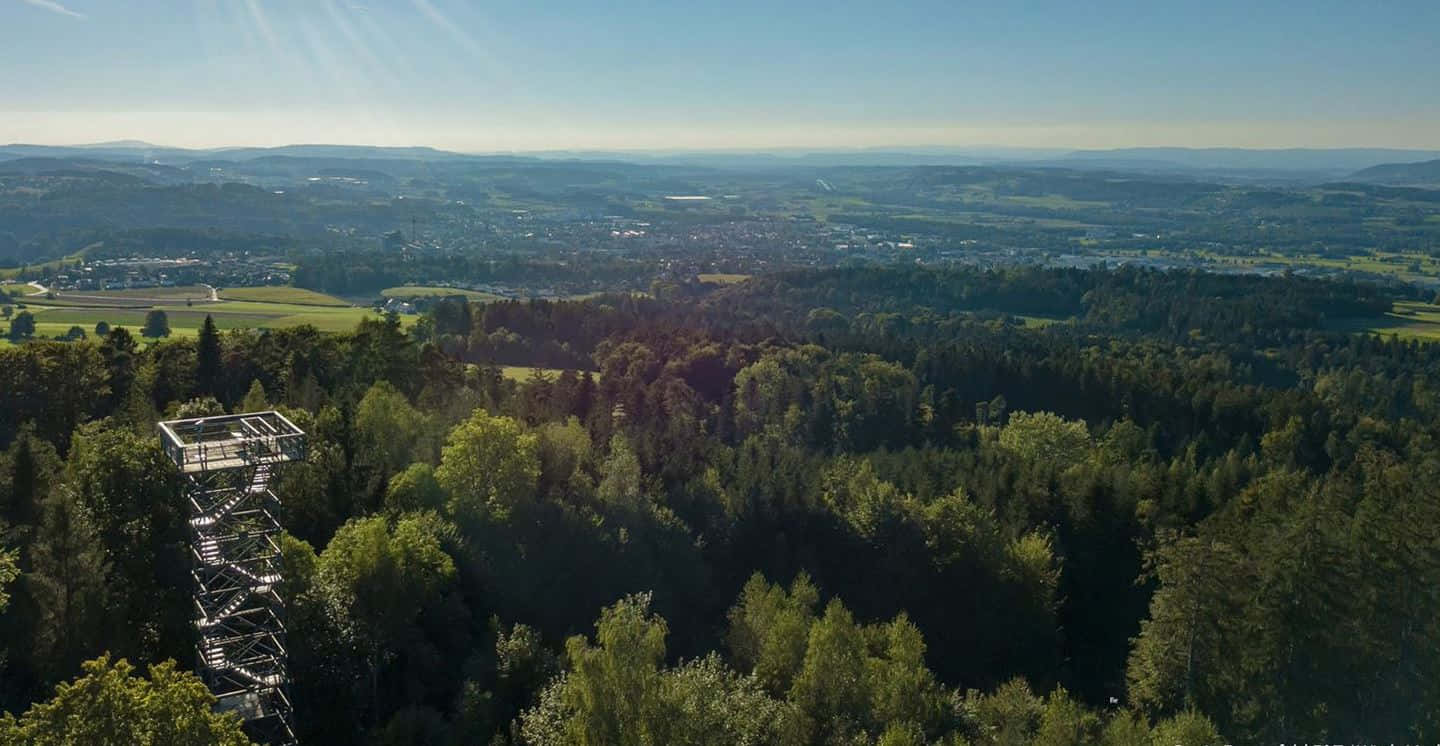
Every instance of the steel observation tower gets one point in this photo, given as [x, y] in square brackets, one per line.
[229, 463]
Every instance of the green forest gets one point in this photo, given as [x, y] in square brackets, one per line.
[838, 506]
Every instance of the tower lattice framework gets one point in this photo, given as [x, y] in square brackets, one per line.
[229, 463]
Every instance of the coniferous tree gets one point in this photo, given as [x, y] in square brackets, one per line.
[255, 399]
[1184, 655]
[33, 465]
[584, 397]
[207, 360]
[68, 583]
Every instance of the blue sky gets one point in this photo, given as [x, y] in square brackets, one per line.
[527, 75]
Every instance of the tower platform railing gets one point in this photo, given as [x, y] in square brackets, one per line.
[232, 441]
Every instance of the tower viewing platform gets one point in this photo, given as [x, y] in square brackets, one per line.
[232, 441]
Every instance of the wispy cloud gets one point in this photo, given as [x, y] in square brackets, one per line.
[489, 65]
[437, 17]
[262, 23]
[54, 7]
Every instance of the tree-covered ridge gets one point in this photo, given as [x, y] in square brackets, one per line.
[1171, 303]
[791, 511]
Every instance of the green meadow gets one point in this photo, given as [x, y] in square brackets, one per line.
[328, 314]
[721, 278]
[281, 294]
[522, 374]
[1407, 320]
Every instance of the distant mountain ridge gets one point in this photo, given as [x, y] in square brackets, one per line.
[137, 144]
[1345, 160]
[138, 150]
[1305, 165]
[1406, 174]
[759, 158]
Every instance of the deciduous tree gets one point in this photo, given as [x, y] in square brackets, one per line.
[157, 325]
[109, 706]
[489, 465]
[378, 579]
[22, 326]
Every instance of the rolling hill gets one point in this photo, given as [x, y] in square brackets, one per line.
[1425, 173]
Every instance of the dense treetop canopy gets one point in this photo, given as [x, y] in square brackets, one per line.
[818, 507]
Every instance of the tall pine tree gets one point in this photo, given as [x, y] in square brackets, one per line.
[207, 360]
[68, 585]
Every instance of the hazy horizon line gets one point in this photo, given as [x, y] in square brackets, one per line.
[917, 149]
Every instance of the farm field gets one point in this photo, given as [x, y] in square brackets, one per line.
[281, 294]
[56, 316]
[197, 292]
[430, 291]
[1407, 320]
[521, 374]
[722, 278]
[1405, 266]
[1040, 322]
[193, 295]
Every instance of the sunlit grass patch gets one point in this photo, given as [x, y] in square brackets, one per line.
[281, 294]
